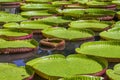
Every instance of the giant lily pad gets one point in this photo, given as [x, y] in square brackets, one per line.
[72, 12]
[114, 74]
[14, 34]
[55, 66]
[8, 17]
[10, 71]
[35, 13]
[17, 46]
[80, 1]
[28, 25]
[98, 4]
[59, 3]
[10, 1]
[108, 49]
[82, 77]
[40, 1]
[111, 34]
[53, 20]
[88, 24]
[68, 34]
[36, 6]
[99, 12]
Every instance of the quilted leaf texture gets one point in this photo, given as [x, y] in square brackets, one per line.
[114, 74]
[18, 44]
[28, 25]
[82, 77]
[10, 71]
[107, 49]
[55, 66]
[111, 34]
[8, 17]
[88, 24]
[10, 0]
[36, 6]
[67, 34]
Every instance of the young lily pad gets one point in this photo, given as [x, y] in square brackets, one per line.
[55, 66]
[8, 17]
[82, 77]
[107, 49]
[17, 46]
[27, 25]
[114, 74]
[67, 34]
[53, 20]
[10, 1]
[10, 71]
[111, 34]
[36, 6]
[88, 24]
[35, 13]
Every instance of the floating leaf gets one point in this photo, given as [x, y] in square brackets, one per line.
[114, 74]
[111, 34]
[10, 71]
[55, 66]
[10, 0]
[8, 17]
[88, 24]
[82, 77]
[108, 49]
[53, 20]
[98, 4]
[67, 34]
[30, 25]
[40, 1]
[35, 13]
[18, 44]
[36, 6]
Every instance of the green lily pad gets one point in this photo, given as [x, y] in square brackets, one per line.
[39, 1]
[8, 17]
[36, 6]
[28, 25]
[80, 1]
[59, 3]
[53, 20]
[98, 4]
[99, 12]
[55, 66]
[107, 49]
[88, 24]
[14, 33]
[82, 77]
[72, 12]
[10, 71]
[67, 34]
[35, 13]
[114, 74]
[111, 34]
[18, 44]
[10, 1]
